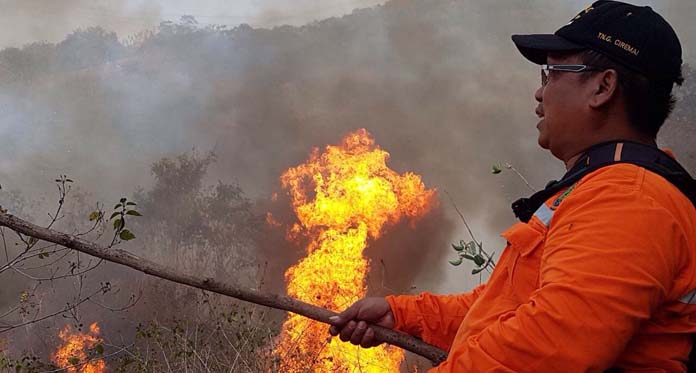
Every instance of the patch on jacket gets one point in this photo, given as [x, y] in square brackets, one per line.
[563, 196]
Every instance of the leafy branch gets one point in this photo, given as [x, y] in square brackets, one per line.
[45, 263]
[122, 209]
[473, 250]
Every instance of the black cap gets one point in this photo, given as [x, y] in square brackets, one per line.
[634, 36]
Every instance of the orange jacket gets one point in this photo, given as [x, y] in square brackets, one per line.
[606, 278]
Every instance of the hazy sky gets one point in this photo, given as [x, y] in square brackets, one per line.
[25, 21]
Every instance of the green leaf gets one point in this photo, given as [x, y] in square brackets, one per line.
[126, 235]
[457, 248]
[94, 215]
[479, 260]
[99, 348]
[456, 262]
[495, 169]
[69, 180]
[123, 200]
[468, 257]
[130, 204]
[471, 248]
[115, 214]
[117, 206]
[73, 360]
[133, 212]
[118, 224]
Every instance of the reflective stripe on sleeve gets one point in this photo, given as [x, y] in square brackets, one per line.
[689, 298]
[544, 213]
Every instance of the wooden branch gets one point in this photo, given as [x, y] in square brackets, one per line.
[434, 354]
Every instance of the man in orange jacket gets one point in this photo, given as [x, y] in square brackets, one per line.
[601, 272]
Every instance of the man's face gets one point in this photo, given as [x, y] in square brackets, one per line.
[564, 126]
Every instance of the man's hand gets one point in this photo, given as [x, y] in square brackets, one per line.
[351, 324]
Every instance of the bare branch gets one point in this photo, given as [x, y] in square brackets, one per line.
[68, 308]
[510, 167]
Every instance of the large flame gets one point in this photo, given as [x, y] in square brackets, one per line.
[74, 355]
[342, 197]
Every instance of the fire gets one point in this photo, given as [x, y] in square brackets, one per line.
[270, 220]
[342, 197]
[74, 356]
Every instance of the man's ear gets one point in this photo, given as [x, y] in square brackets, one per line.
[605, 88]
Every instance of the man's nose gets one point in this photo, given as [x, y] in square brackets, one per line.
[538, 95]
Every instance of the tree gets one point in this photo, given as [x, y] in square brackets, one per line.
[89, 47]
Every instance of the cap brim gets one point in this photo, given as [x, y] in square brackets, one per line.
[536, 47]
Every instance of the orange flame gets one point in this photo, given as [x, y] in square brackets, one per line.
[270, 220]
[74, 354]
[342, 197]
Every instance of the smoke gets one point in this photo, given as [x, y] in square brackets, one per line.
[438, 84]
[27, 21]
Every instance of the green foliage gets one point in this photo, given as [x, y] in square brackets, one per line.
[118, 224]
[472, 251]
[126, 235]
[123, 208]
[96, 215]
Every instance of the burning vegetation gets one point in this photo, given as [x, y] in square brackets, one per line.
[343, 197]
[80, 351]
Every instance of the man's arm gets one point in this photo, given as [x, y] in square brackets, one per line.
[609, 260]
[433, 318]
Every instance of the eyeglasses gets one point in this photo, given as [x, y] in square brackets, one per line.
[545, 69]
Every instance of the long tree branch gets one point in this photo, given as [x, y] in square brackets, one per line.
[434, 354]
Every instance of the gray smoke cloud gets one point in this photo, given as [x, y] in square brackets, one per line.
[35, 20]
[438, 84]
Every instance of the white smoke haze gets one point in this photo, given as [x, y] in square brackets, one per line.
[27, 21]
[438, 84]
